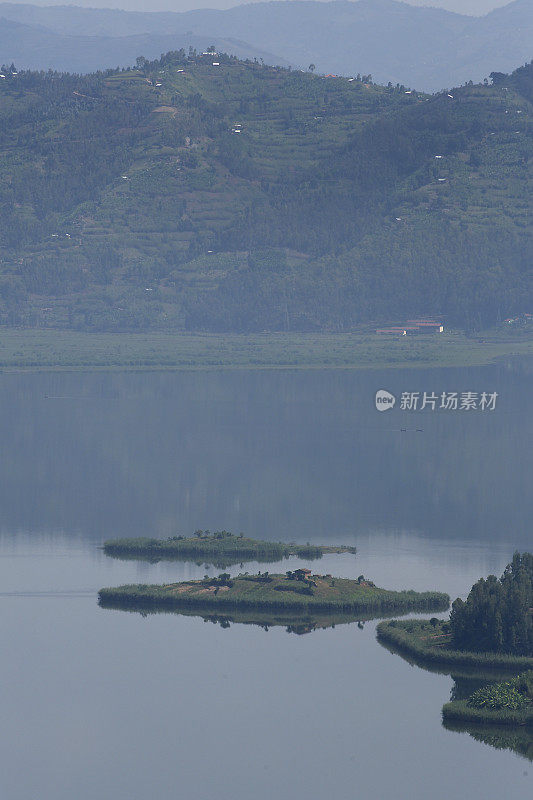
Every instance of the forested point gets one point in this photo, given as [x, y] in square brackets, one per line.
[429, 643]
[498, 613]
[493, 628]
[205, 193]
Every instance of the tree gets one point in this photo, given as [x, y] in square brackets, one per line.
[496, 616]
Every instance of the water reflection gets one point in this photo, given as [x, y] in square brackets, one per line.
[292, 622]
[292, 456]
[518, 739]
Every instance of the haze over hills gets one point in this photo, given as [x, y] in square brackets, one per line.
[203, 192]
[426, 48]
[35, 48]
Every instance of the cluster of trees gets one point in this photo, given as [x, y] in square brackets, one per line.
[498, 613]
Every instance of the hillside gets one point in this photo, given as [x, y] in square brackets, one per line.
[427, 48]
[244, 197]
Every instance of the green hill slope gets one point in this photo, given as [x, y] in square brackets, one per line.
[236, 196]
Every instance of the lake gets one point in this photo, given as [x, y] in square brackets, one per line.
[104, 703]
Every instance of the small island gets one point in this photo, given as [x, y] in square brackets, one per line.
[220, 548]
[299, 590]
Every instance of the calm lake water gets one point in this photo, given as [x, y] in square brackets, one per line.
[109, 704]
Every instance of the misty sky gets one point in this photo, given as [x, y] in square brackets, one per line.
[462, 6]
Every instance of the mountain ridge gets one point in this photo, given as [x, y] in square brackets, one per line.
[207, 193]
[427, 48]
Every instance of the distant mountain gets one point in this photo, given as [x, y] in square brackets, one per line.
[33, 47]
[205, 192]
[427, 48]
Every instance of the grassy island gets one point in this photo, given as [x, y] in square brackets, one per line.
[296, 591]
[431, 642]
[221, 548]
[506, 703]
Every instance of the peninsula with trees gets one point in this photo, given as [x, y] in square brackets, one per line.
[492, 628]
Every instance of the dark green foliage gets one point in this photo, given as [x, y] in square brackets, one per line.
[509, 703]
[125, 205]
[497, 615]
[503, 695]
[460, 711]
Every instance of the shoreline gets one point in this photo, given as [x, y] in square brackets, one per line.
[222, 550]
[460, 711]
[273, 593]
[403, 642]
[52, 350]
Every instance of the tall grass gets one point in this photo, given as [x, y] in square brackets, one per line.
[336, 594]
[419, 639]
[221, 548]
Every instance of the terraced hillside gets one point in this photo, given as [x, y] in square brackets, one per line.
[203, 192]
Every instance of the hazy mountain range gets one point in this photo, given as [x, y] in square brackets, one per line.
[427, 48]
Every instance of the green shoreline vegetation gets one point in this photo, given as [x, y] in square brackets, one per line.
[492, 628]
[507, 703]
[430, 642]
[220, 548]
[298, 590]
[49, 349]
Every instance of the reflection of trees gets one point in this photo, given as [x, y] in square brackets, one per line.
[519, 739]
[292, 622]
